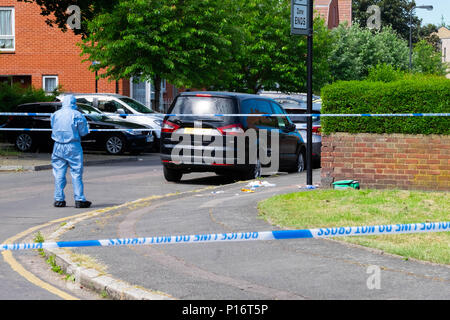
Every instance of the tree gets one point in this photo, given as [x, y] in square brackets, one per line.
[269, 57]
[357, 49]
[429, 33]
[427, 60]
[394, 13]
[186, 42]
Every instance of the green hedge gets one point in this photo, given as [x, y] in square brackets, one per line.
[413, 94]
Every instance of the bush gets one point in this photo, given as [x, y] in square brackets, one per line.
[385, 73]
[12, 96]
[355, 50]
[412, 94]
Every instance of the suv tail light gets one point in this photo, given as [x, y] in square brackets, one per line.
[169, 127]
[233, 130]
[317, 130]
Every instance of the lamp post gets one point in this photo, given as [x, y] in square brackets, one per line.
[94, 63]
[429, 8]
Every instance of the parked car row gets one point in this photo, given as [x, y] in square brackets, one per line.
[116, 142]
[110, 111]
[119, 107]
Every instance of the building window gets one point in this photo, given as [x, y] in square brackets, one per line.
[139, 91]
[50, 83]
[7, 32]
[144, 92]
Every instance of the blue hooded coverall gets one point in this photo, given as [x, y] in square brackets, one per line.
[68, 126]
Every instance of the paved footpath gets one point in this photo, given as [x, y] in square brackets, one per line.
[294, 269]
[202, 203]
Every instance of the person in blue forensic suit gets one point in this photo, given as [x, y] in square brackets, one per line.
[68, 126]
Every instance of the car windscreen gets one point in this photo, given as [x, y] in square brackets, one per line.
[91, 111]
[136, 105]
[202, 107]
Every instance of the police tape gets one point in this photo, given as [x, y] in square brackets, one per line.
[250, 115]
[90, 130]
[242, 236]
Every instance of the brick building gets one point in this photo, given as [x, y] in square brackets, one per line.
[33, 53]
[334, 11]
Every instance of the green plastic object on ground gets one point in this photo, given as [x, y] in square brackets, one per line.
[346, 184]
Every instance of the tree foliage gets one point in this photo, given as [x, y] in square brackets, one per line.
[186, 42]
[269, 57]
[394, 14]
[356, 50]
[427, 60]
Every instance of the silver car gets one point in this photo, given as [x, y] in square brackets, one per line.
[296, 105]
[115, 105]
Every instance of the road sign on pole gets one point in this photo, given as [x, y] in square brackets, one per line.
[300, 17]
[302, 24]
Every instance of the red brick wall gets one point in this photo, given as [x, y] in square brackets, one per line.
[387, 161]
[43, 50]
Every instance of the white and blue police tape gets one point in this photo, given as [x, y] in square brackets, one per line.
[90, 130]
[243, 236]
[253, 115]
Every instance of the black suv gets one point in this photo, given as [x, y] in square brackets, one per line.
[214, 137]
[112, 142]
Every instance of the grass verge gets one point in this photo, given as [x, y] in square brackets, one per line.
[342, 208]
[9, 152]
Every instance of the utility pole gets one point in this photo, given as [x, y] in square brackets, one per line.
[309, 178]
[302, 24]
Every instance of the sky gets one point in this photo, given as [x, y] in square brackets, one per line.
[440, 7]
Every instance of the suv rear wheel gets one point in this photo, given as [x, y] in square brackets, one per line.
[254, 172]
[172, 175]
[24, 142]
[300, 164]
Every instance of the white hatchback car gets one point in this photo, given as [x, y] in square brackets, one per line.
[115, 105]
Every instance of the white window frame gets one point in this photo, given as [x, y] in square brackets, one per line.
[13, 22]
[49, 77]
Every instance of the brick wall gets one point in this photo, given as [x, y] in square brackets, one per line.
[42, 50]
[334, 11]
[387, 160]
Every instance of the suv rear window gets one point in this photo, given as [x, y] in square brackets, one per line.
[205, 106]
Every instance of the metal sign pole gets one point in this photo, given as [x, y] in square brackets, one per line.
[302, 24]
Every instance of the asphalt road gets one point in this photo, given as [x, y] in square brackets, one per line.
[293, 269]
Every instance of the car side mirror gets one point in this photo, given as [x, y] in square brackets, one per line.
[121, 112]
[291, 127]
